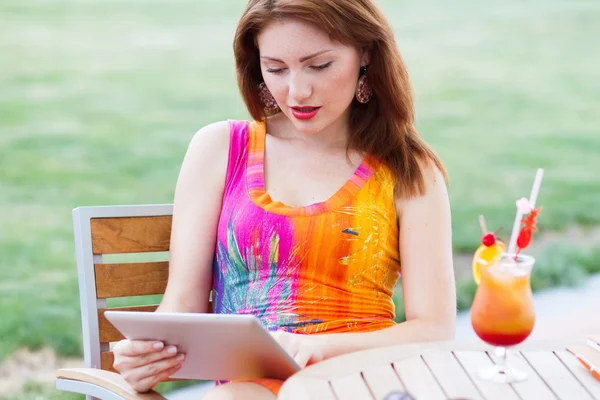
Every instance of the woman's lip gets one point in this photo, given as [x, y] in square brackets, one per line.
[305, 113]
[303, 108]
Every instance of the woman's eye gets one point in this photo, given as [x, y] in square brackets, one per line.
[322, 66]
[275, 70]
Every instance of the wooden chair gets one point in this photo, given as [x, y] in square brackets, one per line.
[114, 230]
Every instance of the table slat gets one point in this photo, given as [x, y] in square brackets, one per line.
[418, 380]
[583, 375]
[450, 375]
[382, 379]
[305, 388]
[556, 375]
[351, 387]
[472, 362]
[532, 388]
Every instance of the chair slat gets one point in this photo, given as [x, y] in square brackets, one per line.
[106, 361]
[131, 279]
[130, 234]
[108, 333]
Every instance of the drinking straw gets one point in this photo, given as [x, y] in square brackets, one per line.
[521, 210]
[483, 225]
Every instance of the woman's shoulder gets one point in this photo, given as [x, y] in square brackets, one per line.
[433, 192]
[211, 142]
[216, 135]
[434, 175]
[217, 140]
[213, 132]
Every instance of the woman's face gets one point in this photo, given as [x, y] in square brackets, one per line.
[312, 79]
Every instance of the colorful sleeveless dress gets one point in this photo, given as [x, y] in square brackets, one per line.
[329, 267]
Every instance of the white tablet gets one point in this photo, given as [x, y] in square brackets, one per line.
[217, 346]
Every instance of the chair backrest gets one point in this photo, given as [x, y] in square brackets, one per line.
[108, 232]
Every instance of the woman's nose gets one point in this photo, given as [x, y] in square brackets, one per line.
[300, 87]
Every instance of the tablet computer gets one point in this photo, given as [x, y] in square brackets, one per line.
[217, 346]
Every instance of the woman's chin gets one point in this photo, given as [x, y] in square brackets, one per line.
[307, 127]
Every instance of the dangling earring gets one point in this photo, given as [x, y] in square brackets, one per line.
[267, 98]
[364, 91]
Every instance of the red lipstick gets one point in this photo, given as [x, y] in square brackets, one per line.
[305, 112]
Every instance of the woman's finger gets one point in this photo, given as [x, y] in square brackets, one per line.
[166, 353]
[140, 377]
[133, 348]
[150, 382]
[123, 363]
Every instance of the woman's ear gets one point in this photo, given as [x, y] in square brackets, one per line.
[365, 55]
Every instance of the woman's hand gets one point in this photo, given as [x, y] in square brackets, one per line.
[144, 364]
[304, 349]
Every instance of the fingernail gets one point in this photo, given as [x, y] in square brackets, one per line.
[172, 350]
[158, 345]
[180, 357]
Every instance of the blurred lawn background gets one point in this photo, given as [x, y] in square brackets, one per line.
[99, 99]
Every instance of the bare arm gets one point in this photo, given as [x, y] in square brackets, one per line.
[427, 275]
[196, 211]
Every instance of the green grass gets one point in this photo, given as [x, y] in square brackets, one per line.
[98, 100]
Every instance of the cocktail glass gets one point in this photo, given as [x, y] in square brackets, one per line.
[502, 313]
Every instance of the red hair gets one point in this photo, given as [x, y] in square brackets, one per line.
[383, 127]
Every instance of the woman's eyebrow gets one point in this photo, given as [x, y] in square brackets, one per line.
[305, 58]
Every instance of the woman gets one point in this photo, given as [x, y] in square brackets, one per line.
[306, 216]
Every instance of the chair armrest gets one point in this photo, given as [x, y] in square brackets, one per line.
[110, 381]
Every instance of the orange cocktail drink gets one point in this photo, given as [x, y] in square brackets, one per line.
[502, 313]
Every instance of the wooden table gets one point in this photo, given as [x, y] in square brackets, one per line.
[443, 371]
